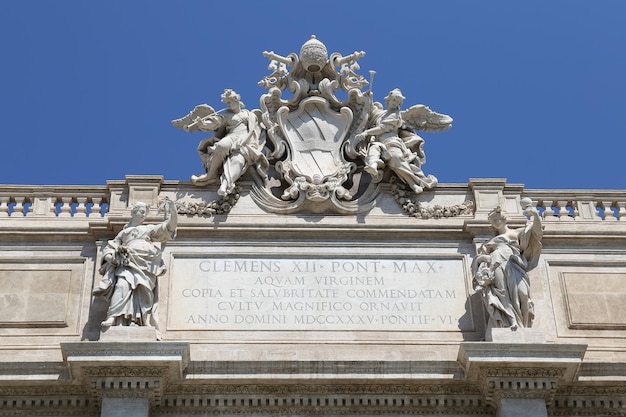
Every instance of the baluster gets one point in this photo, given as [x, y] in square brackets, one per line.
[621, 206]
[18, 208]
[608, 213]
[4, 206]
[549, 214]
[53, 205]
[540, 208]
[66, 207]
[564, 213]
[81, 207]
[96, 209]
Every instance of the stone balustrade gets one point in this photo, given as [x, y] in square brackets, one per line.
[570, 205]
[37, 201]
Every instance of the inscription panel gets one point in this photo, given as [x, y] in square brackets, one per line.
[318, 294]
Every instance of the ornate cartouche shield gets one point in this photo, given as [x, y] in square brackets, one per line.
[314, 134]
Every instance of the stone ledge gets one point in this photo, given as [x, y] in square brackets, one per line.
[89, 356]
[474, 356]
[520, 370]
[122, 370]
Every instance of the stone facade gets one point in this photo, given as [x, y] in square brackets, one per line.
[312, 269]
[297, 314]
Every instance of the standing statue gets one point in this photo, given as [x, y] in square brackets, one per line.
[392, 141]
[234, 147]
[131, 264]
[500, 269]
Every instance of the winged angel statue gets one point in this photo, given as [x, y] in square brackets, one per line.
[312, 150]
[236, 144]
[391, 141]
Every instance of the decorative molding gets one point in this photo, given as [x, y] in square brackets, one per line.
[589, 400]
[328, 398]
[506, 382]
[322, 388]
[352, 368]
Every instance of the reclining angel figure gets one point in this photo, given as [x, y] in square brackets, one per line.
[391, 140]
[235, 146]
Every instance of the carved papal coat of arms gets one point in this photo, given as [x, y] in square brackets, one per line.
[309, 149]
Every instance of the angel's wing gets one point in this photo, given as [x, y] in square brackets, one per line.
[420, 117]
[187, 123]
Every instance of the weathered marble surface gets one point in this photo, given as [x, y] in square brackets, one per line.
[317, 271]
[415, 365]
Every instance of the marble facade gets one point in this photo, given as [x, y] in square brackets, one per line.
[310, 314]
[312, 269]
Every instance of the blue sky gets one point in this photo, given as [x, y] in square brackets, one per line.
[537, 89]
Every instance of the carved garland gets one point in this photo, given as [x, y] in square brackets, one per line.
[222, 205]
[402, 195]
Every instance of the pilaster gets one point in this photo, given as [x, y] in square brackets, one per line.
[488, 193]
[135, 188]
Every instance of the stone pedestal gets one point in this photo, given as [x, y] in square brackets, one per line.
[127, 334]
[506, 335]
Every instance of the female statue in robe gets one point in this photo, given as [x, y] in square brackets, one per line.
[131, 264]
[501, 269]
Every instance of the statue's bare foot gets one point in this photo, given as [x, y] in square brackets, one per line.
[417, 189]
[372, 169]
[200, 179]
[108, 322]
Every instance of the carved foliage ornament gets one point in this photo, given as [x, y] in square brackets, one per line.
[310, 149]
[416, 209]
